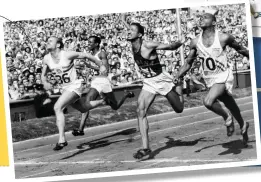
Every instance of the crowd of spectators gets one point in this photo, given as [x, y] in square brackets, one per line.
[25, 44]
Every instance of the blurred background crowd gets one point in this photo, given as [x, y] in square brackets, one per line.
[25, 44]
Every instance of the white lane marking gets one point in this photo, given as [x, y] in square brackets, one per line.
[138, 136]
[97, 161]
[127, 161]
[104, 126]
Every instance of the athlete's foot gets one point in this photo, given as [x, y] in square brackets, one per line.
[141, 153]
[229, 123]
[76, 132]
[244, 133]
[60, 146]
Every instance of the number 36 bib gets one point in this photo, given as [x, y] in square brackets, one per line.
[64, 71]
[63, 77]
[213, 59]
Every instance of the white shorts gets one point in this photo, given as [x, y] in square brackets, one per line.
[101, 84]
[161, 84]
[224, 77]
[75, 86]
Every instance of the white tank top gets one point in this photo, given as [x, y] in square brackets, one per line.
[97, 55]
[214, 60]
[64, 70]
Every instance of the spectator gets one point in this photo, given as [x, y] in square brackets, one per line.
[42, 103]
[25, 48]
[197, 81]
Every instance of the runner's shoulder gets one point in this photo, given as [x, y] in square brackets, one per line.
[149, 44]
[46, 58]
[224, 37]
[102, 54]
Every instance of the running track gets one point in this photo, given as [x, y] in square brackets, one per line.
[196, 136]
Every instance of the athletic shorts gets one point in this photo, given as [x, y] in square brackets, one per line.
[76, 87]
[161, 84]
[224, 77]
[101, 84]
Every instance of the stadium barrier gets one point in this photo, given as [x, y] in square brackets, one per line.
[21, 110]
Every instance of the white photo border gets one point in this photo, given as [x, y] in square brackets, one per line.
[120, 8]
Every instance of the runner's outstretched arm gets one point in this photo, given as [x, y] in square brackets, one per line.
[189, 61]
[160, 46]
[81, 55]
[231, 41]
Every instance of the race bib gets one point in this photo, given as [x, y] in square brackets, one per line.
[61, 76]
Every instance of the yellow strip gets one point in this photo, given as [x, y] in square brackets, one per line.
[3, 134]
[252, 10]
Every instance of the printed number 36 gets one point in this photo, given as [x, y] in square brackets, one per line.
[64, 78]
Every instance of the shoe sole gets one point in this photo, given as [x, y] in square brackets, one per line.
[61, 147]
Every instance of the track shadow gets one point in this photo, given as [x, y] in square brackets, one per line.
[124, 132]
[173, 143]
[99, 143]
[233, 147]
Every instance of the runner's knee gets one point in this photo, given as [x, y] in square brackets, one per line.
[88, 105]
[57, 108]
[179, 109]
[208, 102]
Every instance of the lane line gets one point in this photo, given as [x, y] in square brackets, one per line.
[118, 123]
[138, 136]
[126, 161]
[131, 161]
[114, 132]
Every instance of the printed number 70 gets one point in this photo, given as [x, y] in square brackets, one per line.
[210, 64]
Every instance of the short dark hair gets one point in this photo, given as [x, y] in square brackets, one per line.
[96, 39]
[140, 27]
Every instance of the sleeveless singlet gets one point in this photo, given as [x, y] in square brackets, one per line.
[148, 66]
[63, 70]
[97, 56]
[214, 59]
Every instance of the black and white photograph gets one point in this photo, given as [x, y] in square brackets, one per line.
[132, 91]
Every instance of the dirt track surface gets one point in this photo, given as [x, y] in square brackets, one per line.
[194, 137]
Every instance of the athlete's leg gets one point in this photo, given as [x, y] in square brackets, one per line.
[232, 106]
[64, 100]
[90, 101]
[175, 98]
[144, 101]
[84, 107]
[211, 102]
[110, 99]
